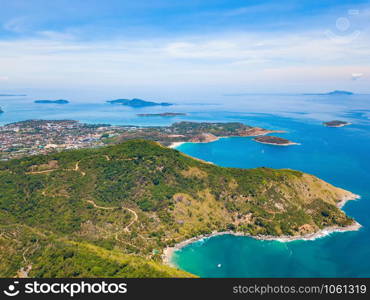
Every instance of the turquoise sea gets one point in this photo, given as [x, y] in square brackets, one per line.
[340, 156]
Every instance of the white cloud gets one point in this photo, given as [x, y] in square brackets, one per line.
[258, 9]
[54, 35]
[356, 76]
[3, 78]
[59, 59]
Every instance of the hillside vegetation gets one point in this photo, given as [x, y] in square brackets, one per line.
[110, 212]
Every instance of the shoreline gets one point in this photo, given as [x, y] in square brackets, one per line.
[169, 251]
[174, 145]
[350, 197]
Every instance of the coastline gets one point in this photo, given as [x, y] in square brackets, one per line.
[169, 251]
[345, 199]
[256, 133]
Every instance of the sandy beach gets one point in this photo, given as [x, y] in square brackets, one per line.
[168, 252]
[176, 144]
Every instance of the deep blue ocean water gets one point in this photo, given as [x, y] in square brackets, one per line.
[340, 156]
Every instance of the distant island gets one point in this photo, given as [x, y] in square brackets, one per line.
[1, 111]
[138, 102]
[166, 114]
[336, 123]
[274, 140]
[60, 101]
[333, 93]
[340, 93]
[10, 95]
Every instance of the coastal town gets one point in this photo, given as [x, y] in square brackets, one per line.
[41, 137]
[34, 137]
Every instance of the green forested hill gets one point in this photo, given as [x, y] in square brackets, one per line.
[110, 212]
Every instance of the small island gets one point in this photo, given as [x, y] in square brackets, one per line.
[274, 140]
[336, 123]
[166, 114]
[1, 111]
[337, 92]
[333, 93]
[60, 101]
[11, 95]
[136, 103]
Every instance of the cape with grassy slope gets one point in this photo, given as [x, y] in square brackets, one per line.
[111, 211]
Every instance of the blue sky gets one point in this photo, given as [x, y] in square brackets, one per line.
[223, 46]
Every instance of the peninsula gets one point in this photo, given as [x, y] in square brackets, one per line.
[60, 101]
[137, 103]
[336, 123]
[274, 140]
[114, 211]
[194, 132]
